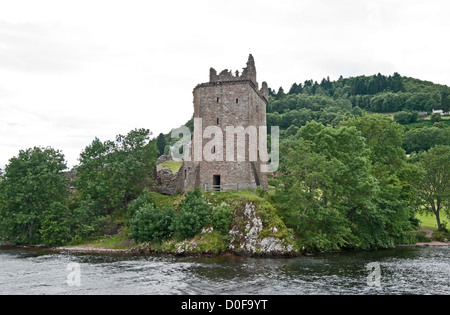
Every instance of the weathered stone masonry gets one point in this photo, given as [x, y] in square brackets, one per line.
[226, 100]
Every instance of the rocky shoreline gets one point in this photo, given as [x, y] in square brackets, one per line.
[87, 249]
[251, 235]
[147, 251]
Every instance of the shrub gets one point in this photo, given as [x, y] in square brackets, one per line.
[222, 216]
[194, 215]
[261, 192]
[420, 237]
[406, 117]
[436, 117]
[144, 198]
[151, 224]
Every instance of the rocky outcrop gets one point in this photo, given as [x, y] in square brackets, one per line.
[250, 241]
[250, 236]
[164, 158]
[168, 183]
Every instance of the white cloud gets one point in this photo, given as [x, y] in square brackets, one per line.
[35, 48]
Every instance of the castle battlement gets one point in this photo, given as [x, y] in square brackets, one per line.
[248, 74]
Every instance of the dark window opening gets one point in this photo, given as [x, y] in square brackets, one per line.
[237, 101]
[217, 120]
[185, 174]
[214, 149]
[216, 182]
[217, 100]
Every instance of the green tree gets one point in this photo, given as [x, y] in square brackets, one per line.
[194, 214]
[161, 143]
[86, 219]
[445, 102]
[384, 139]
[326, 190]
[423, 139]
[32, 183]
[440, 125]
[113, 173]
[406, 117]
[152, 224]
[396, 194]
[221, 217]
[434, 184]
[55, 228]
[280, 93]
[145, 198]
[436, 117]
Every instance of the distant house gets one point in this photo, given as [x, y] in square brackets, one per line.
[423, 114]
[440, 111]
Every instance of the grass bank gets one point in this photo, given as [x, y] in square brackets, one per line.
[174, 166]
[256, 230]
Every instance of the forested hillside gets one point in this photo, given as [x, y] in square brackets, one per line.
[408, 101]
[332, 101]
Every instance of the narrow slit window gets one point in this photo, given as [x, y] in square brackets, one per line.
[217, 120]
[237, 101]
[217, 100]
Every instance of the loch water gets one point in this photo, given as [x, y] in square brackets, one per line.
[404, 270]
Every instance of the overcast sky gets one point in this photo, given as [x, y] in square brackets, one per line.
[74, 70]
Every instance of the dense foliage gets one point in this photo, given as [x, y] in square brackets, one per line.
[423, 139]
[345, 180]
[377, 93]
[343, 187]
[222, 216]
[149, 223]
[434, 183]
[32, 192]
[113, 173]
[194, 214]
[152, 224]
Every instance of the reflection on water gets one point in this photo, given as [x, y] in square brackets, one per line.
[403, 271]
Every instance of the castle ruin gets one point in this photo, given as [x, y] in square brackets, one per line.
[228, 100]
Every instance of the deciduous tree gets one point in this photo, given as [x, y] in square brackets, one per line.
[33, 181]
[434, 184]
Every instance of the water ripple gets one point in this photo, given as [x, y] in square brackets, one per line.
[403, 271]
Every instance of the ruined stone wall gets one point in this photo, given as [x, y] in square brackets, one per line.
[230, 100]
[248, 74]
[189, 176]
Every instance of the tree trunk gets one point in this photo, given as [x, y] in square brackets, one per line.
[30, 231]
[437, 212]
[438, 220]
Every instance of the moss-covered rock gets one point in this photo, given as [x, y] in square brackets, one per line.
[255, 230]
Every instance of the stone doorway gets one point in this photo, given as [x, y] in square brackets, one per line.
[216, 182]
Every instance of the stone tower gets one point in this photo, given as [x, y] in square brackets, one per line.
[229, 102]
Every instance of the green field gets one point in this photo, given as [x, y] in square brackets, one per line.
[430, 220]
[174, 166]
[442, 117]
